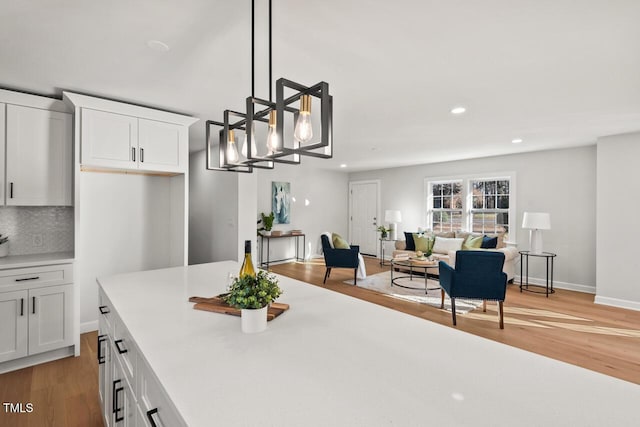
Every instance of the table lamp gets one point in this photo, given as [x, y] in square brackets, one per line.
[536, 222]
[393, 217]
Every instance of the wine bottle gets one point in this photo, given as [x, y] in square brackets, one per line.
[247, 264]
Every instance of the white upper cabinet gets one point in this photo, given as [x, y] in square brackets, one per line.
[109, 139]
[125, 137]
[163, 146]
[38, 157]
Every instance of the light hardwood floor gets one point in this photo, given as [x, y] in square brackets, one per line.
[568, 326]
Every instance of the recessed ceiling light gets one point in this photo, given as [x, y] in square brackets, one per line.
[343, 165]
[458, 110]
[158, 46]
[516, 141]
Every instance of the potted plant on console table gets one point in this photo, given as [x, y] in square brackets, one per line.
[253, 294]
[267, 223]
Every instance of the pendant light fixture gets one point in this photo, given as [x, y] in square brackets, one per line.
[290, 127]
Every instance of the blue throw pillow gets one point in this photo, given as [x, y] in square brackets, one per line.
[489, 242]
[411, 245]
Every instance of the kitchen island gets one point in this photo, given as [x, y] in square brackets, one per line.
[331, 360]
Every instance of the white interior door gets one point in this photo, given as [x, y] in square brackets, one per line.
[364, 206]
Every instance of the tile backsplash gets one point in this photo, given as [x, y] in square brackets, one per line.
[37, 229]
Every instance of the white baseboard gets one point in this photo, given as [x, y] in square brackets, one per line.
[36, 359]
[615, 302]
[558, 285]
[89, 326]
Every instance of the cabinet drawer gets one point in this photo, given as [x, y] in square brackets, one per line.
[153, 400]
[125, 349]
[31, 277]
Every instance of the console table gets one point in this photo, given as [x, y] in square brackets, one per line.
[524, 262]
[281, 236]
[382, 241]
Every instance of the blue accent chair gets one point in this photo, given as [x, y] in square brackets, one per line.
[340, 258]
[478, 275]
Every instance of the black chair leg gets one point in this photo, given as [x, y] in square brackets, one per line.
[501, 310]
[355, 277]
[326, 275]
[453, 310]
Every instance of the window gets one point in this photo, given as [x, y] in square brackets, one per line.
[447, 206]
[478, 204]
[490, 206]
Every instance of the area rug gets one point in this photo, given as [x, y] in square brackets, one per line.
[381, 282]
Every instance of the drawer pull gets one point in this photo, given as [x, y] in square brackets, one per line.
[150, 416]
[11, 190]
[133, 151]
[21, 306]
[116, 408]
[142, 155]
[27, 278]
[101, 358]
[33, 305]
[104, 309]
[120, 350]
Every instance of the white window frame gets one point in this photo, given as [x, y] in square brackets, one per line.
[467, 199]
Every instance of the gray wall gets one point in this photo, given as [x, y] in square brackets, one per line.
[213, 213]
[617, 212]
[561, 182]
[327, 208]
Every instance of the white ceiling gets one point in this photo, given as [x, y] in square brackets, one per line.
[556, 73]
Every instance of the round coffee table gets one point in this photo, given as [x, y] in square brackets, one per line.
[413, 264]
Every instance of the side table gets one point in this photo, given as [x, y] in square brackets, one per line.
[524, 263]
[382, 249]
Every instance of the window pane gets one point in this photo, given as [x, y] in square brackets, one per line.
[446, 202]
[477, 223]
[490, 187]
[477, 202]
[503, 187]
[437, 202]
[456, 220]
[478, 187]
[503, 218]
[490, 202]
[457, 188]
[436, 217]
[446, 189]
[437, 189]
[503, 202]
[456, 202]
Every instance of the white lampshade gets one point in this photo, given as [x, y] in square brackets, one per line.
[536, 221]
[392, 216]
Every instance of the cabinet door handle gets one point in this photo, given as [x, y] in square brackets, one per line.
[142, 155]
[120, 350]
[104, 309]
[21, 306]
[133, 150]
[11, 190]
[33, 305]
[28, 278]
[101, 358]
[116, 405]
[150, 416]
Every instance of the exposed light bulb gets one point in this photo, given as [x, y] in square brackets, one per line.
[273, 142]
[232, 150]
[254, 147]
[303, 131]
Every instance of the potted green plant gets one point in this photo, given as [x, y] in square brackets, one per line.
[252, 295]
[4, 246]
[267, 223]
[384, 232]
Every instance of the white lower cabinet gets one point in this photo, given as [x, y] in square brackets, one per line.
[35, 320]
[130, 394]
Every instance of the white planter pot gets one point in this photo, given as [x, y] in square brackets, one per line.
[4, 250]
[266, 233]
[254, 320]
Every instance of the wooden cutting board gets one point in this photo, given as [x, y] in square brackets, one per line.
[217, 305]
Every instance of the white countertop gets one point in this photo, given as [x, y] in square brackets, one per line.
[33, 260]
[333, 360]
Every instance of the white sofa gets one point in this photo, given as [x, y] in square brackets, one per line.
[510, 253]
